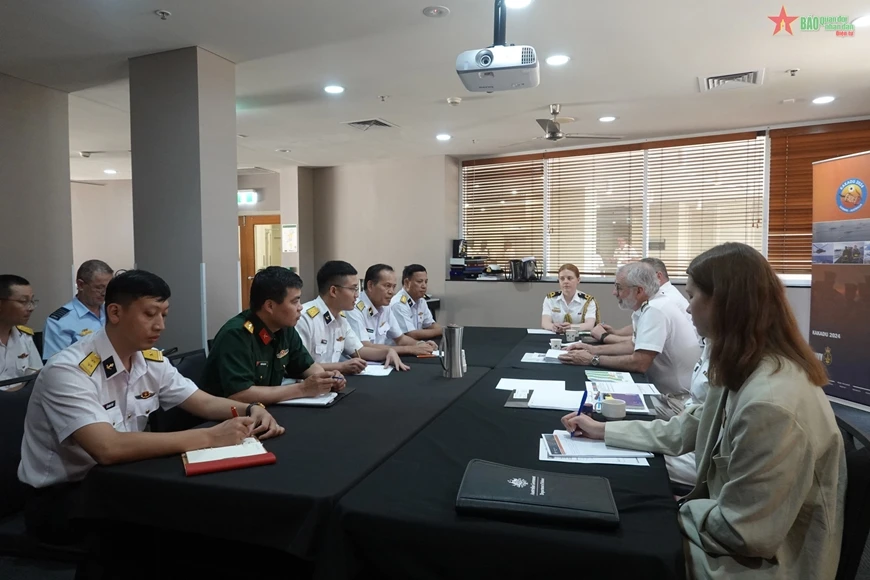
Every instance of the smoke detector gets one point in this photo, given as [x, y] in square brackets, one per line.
[454, 101]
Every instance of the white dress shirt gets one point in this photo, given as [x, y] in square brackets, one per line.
[374, 325]
[660, 327]
[86, 384]
[19, 356]
[326, 337]
[670, 292]
[577, 311]
[411, 314]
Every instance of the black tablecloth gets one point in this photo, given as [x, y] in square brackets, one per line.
[324, 452]
[400, 523]
[484, 346]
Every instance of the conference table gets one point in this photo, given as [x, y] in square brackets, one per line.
[366, 488]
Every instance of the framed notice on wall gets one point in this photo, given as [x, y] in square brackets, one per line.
[289, 238]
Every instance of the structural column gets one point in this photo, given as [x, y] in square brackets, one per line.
[35, 191]
[183, 135]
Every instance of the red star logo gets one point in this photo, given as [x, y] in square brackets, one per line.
[783, 22]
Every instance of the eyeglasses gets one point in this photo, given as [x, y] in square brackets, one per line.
[621, 288]
[353, 289]
[34, 302]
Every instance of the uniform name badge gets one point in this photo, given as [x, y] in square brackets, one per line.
[283, 353]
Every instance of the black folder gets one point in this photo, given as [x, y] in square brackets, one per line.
[529, 495]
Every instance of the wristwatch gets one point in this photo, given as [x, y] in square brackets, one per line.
[251, 406]
[595, 360]
[603, 336]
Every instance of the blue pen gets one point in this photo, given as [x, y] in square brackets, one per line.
[580, 410]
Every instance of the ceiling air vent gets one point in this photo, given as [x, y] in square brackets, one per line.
[731, 81]
[367, 124]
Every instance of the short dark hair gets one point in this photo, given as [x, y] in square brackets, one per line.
[658, 266]
[7, 281]
[126, 288]
[409, 271]
[271, 284]
[332, 273]
[373, 274]
[91, 268]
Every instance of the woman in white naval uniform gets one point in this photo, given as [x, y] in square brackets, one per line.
[569, 308]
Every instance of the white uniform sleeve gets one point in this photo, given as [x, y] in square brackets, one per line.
[591, 310]
[357, 323]
[352, 342]
[546, 309]
[404, 317]
[395, 331]
[428, 320]
[652, 331]
[34, 360]
[305, 332]
[69, 400]
[175, 388]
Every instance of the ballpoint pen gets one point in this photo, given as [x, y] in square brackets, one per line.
[580, 410]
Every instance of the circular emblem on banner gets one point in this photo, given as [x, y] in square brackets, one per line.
[852, 195]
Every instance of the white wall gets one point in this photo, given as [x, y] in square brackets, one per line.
[268, 185]
[395, 212]
[102, 222]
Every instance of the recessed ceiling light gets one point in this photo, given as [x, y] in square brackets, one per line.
[334, 89]
[436, 11]
[861, 21]
[443, 137]
[517, 3]
[607, 119]
[282, 150]
[558, 60]
[823, 100]
[110, 172]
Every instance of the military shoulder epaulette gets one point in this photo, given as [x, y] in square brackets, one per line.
[584, 295]
[153, 355]
[25, 329]
[403, 299]
[59, 313]
[313, 311]
[360, 306]
[90, 363]
[249, 326]
[342, 314]
[554, 294]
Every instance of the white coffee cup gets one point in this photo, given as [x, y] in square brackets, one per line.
[571, 335]
[555, 343]
[613, 408]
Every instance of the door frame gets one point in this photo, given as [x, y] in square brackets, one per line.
[247, 259]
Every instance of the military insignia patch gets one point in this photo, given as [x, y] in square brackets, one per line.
[327, 317]
[153, 355]
[86, 332]
[249, 326]
[109, 367]
[313, 311]
[403, 299]
[283, 353]
[25, 329]
[90, 363]
[145, 395]
[360, 306]
[23, 355]
[371, 311]
[265, 336]
[59, 313]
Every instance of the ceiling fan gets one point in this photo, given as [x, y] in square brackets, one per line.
[553, 129]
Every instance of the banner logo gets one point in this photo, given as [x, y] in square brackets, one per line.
[851, 195]
[829, 358]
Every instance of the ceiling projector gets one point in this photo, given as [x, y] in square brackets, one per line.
[501, 67]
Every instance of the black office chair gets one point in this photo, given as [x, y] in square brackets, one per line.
[37, 341]
[856, 525]
[191, 365]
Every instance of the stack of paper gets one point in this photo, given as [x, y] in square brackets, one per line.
[318, 401]
[529, 385]
[609, 376]
[538, 331]
[541, 357]
[560, 445]
[636, 461]
[556, 400]
[624, 388]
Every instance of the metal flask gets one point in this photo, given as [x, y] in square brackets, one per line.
[451, 352]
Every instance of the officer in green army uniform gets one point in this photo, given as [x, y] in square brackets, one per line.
[257, 349]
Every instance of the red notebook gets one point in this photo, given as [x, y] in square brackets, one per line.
[249, 453]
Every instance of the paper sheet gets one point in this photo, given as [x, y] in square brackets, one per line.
[323, 400]
[624, 388]
[246, 448]
[556, 400]
[538, 331]
[635, 461]
[583, 447]
[538, 357]
[609, 376]
[554, 353]
[376, 370]
[529, 384]
[288, 382]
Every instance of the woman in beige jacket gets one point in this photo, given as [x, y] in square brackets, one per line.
[768, 502]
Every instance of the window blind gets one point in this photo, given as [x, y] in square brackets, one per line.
[503, 210]
[595, 211]
[792, 154]
[703, 195]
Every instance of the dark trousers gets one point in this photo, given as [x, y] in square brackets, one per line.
[49, 514]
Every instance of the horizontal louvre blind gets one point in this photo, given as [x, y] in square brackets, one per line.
[792, 154]
[703, 195]
[594, 200]
[503, 210]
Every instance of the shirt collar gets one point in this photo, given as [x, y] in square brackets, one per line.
[411, 301]
[324, 311]
[575, 299]
[83, 310]
[260, 326]
[666, 285]
[369, 307]
[110, 363]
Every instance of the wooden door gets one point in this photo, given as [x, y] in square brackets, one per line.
[248, 247]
